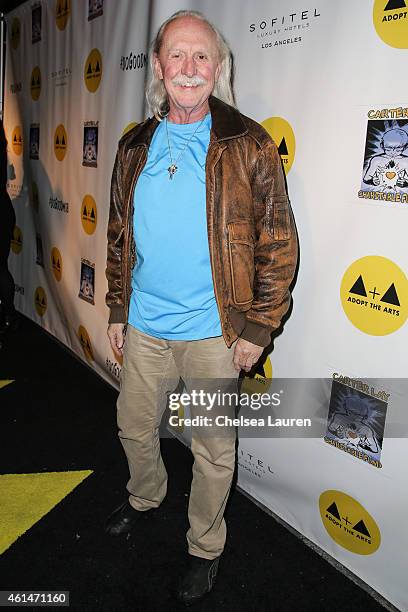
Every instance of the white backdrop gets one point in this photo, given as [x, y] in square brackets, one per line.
[325, 78]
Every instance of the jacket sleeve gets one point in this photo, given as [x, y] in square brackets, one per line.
[276, 247]
[114, 296]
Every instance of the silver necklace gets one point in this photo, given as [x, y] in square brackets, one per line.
[172, 169]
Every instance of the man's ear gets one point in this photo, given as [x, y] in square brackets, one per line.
[218, 71]
[157, 66]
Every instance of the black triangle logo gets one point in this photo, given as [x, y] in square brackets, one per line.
[58, 264]
[283, 149]
[53, 261]
[97, 68]
[43, 302]
[57, 140]
[89, 71]
[59, 9]
[92, 215]
[84, 212]
[15, 138]
[361, 528]
[334, 511]
[358, 288]
[395, 4]
[63, 140]
[390, 296]
[38, 81]
[33, 82]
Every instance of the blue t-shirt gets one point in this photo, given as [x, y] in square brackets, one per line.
[173, 292]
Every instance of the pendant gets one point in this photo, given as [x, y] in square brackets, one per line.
[172, 170]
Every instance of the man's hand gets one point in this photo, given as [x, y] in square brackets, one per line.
[246, 354]
[116, 334]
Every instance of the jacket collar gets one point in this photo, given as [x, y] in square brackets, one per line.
[226, 123]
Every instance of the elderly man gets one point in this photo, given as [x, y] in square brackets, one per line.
[202, 249]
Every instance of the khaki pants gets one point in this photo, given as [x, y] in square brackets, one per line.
[151, 369]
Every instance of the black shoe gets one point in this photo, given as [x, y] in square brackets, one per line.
[198, 581]
[124, 518]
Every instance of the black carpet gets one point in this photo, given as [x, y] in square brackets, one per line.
[60, 416]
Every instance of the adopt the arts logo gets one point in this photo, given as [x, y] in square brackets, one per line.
[60, 142]
[93, 70]
[391, 22]
[85, 341]
[284, 28]
[17, 240]
[88, 214]
[348, 523]
[35, 83]
[56, 263]
[62, 13]
[259, 380]
[40, 301]
[356, 418]
[374, 295]
[282, 133]
[385, 167]
[17, 140]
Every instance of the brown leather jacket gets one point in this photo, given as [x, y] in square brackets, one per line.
[251, 232]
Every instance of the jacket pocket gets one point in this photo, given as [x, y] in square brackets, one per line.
[278, 215]
[241, 244]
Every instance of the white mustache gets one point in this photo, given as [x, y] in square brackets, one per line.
[192, 81]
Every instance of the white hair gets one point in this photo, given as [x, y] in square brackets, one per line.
[156, 94]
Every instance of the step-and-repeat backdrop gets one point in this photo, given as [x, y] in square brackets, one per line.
[327, 80]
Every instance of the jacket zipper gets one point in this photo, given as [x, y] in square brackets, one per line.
[130, 210]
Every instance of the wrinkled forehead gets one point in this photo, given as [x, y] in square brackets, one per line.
[189, 31]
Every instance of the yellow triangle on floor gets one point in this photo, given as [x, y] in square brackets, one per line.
[4, 383]
[26, 498]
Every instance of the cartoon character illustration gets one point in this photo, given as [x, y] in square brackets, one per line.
[87, 282]
[34, 144]
[90, 152]
[349, 425]
[95, 5]
[388, 171]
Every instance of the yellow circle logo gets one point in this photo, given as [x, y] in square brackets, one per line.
[260, 381]
[62, 12]
[93, 70]
[391, 22]
[15, 33]
[129, 127]
[40, 301]
[17, 240]
[281, 132]
[374, 295]
[348, 523]
[35, 83]
[34, 196]
[17, 140]
[88, 214]
[85, 343]
[56, 263]
[60, 142]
